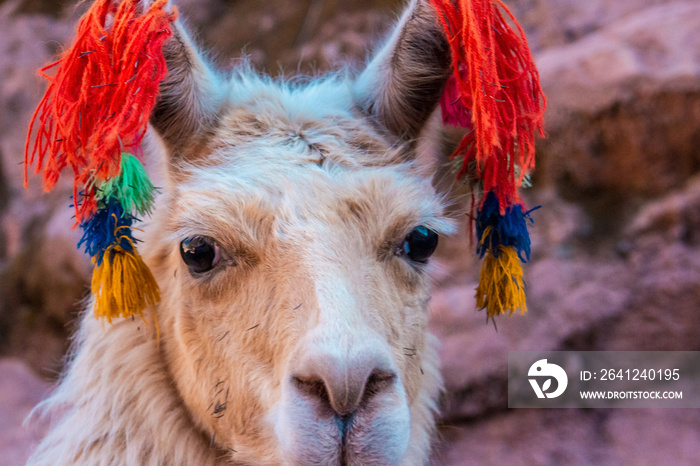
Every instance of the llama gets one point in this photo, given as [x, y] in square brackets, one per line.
[291, 244]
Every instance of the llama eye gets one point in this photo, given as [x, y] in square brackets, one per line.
[200, 253]
[419, 244]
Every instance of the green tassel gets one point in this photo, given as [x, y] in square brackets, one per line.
[131, 187]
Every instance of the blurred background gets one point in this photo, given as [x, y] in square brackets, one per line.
[616, 244]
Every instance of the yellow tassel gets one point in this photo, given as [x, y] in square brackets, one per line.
[122, 284]
[501, 285]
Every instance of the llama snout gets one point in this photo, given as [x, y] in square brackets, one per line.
[343, 403]
[343, 378]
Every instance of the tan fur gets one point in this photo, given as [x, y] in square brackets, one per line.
[308, 199]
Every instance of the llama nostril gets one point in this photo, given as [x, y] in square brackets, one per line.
[314, 388]
[378, 381]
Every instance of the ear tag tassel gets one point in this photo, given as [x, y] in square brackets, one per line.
[494, 91]
[97, 107]
[501, 286]
[132, 187]
[110, 225]
[505, 242]
[122, 283]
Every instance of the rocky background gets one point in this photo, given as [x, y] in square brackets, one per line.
[616, 245]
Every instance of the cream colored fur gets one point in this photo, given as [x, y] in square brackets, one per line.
[308, 191]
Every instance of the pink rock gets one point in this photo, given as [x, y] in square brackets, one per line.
[20, 391]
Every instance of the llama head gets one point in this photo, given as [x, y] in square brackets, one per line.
[291, 246]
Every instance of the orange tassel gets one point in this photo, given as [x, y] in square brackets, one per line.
[501, 286]
[122, 284]
[99, 101]
[495, 90]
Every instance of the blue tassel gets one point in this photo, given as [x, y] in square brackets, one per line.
[110, 225]
[494, 230]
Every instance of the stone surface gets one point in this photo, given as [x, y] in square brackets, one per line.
[624, 113]
[41, 289]
[550, 23]
[42, 275]
[307, 36]
[576, 437]
[20, 391]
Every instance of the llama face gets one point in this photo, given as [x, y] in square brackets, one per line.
[291, 246]
[303, 334]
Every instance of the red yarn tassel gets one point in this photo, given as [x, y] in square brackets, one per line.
[495, 90]
[99, 101]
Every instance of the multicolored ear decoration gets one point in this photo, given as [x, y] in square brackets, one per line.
[495, 92]
[92, 120]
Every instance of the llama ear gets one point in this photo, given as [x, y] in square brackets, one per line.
[402, 84]
[190, 96]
